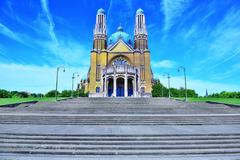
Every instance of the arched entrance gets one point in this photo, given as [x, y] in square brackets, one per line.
[120, 87]
[110, 87]
[130, 87]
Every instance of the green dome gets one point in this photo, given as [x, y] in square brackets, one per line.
[120, 34]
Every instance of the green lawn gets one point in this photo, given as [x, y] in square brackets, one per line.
[235, 101]
[4, 101]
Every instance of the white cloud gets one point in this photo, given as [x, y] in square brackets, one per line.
[123, 15]
[45, 7]
[163, 64]
[222, 41]
[4, 30]
[37, 78]
[173, 9]
[66, 48]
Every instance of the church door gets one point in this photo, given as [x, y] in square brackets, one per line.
[130, 87]
[120, 87]
[110, 87]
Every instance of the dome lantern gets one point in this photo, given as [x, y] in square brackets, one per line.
[101, 11]
[140, 11]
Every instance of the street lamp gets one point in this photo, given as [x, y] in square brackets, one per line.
[168, 77]
[56, 94]
[185, 79]
[73, 77]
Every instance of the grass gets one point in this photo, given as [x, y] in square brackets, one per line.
[4, 101]
[235, 101]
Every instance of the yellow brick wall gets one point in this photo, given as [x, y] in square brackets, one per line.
[148, 74]
[104, 58]
[92, 85]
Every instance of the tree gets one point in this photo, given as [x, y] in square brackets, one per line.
[225, 94]
[157, 89]
[40, 95]
[23, 94]
[14, 93]
[34, 95]
[5, 94]
[51, 93]
[81, 93]
[66, 93]
[191, 93]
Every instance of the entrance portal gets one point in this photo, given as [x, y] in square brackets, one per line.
[120, 87]
[130, 87]
[110, 87]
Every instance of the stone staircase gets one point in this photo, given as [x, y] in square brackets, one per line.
[93, 119]
[120, 128]
[123, 106]
[138, 145]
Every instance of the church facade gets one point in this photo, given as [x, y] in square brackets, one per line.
[120, 66]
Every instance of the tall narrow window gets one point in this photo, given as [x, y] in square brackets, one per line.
[142, 73]
[97, 89]
[98, 73]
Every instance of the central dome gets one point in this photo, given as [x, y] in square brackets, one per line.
[120, 34]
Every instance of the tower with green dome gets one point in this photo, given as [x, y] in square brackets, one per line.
[120, 64]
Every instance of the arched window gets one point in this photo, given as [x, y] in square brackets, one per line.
[97, 89]
[120, 61]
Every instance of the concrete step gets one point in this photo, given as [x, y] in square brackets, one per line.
[118, 119]
[222, 151]
[190, 144]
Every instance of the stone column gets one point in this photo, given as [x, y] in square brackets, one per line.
[126, 86]
[135, 86]
[114, 85]
[105, 87]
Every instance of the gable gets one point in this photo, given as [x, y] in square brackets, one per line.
[120, 46]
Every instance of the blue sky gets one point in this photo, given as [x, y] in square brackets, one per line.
[36, 36]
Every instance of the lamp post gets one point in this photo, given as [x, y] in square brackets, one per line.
[73, 77]
[185, 79]
[168, 77]
[58, 68]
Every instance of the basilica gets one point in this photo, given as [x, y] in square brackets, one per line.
[120, 65]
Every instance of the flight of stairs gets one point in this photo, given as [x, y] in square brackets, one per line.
[79, 119]
[193, 144]
[166, 128]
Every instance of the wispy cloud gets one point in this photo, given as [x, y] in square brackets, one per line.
[9, 33]
[173, 9]
[45, 9]
[163, 64]
[121, 16]
[223, 40]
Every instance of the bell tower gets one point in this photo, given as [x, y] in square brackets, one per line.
[140, 31]
[100, 31]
